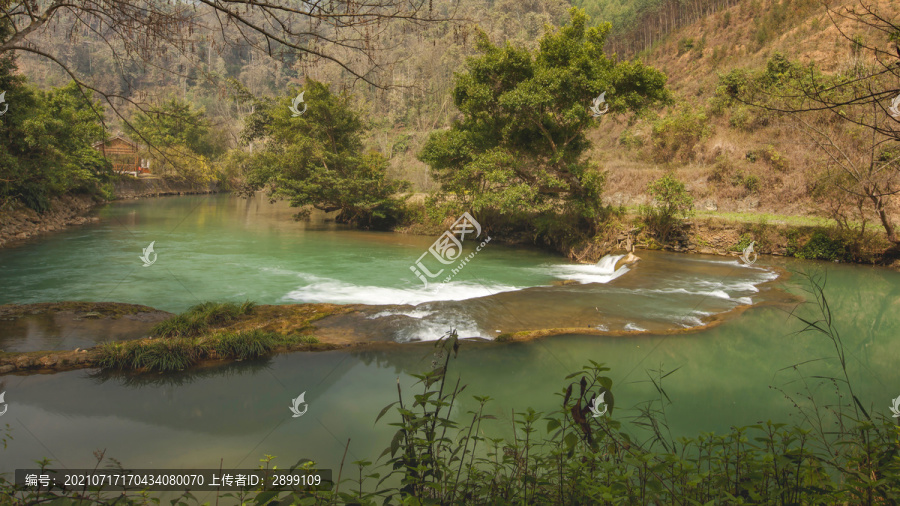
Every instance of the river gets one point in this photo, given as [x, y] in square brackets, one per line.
[224, 248]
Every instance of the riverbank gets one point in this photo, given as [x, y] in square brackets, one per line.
[135, 188]
[20, 223]
[728, 235]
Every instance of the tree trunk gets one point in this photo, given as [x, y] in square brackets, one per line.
[885, 219]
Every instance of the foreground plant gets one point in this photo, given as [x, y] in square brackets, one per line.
[583, 453]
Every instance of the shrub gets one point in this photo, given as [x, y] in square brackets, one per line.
[179, 353]
[676, 135]
[750, 182]
[775, 159]
[743, 118]
[157, 355]
[629, 140]
[744, 241]
[824, 246]
[721, 170]
[672, 204]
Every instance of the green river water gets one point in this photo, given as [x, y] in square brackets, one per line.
[228, 249]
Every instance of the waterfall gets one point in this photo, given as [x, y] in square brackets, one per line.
[607, 264]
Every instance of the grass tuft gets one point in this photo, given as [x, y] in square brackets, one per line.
[243, 345]
[179, 353]
[200, 318]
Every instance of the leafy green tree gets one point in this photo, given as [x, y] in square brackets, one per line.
[175, 123]
[672, 204]
[180, 139]
[520, 145]
[317, 159]
[46, 141]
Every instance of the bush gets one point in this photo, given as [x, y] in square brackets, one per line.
[676, 135]
[629, 140]
[672, 204]
[775, 159]
[161, 355]
[742, 118]
[750, 182]
[742, 244]
[721, 170]
[824, 246]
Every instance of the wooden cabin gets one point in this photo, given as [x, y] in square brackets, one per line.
[123, 153]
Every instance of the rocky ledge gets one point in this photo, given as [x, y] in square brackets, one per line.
[22, 223]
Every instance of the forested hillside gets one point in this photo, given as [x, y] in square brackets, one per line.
[733, 154]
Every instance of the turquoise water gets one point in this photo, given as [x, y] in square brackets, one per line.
[223, 248]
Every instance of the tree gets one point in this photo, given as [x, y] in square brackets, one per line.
[672, 204]
[843, 116]
[171, 39]
[175, 123]
[520, 144]
[46, 142]
[848, 115]
[316, 159]
[181, 139]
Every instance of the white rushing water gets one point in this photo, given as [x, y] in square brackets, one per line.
[320, 289]
[665, 290]
[603, 271]
[608, 263]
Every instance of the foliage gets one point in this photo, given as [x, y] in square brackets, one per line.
[175, 123]
[630, 140]
[47, 141]
[750, 182]
[179, 353]
[519, 148]
[843, 116]
[200, 318]
[676, 135]
[673, 203]
[742, 243]
[317, 159]
[838, 453]
[824, 246]
[180, 139]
